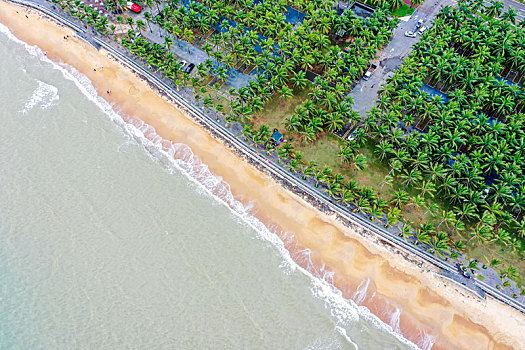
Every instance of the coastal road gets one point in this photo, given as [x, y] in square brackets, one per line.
[276, 170]
[365, 93]
[297, 183]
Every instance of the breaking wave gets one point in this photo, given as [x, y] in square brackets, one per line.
[179, 157]
[44, 96]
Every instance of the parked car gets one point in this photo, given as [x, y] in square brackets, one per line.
[134, 7]
[422, 29]
[370, 71]
[182, 64]
[339, 34]
[345, 51]
[158, 18]
[354, 132]
[189, 68]
[137, 35]
[410, 34]
[352, 135]
[420, 22]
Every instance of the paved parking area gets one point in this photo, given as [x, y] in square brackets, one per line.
[190, 53]
[365, 93]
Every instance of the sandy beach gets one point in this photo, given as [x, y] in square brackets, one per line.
[428, 303]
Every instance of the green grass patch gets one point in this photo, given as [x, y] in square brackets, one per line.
[375, 172]
[275, 111]
[323, 151]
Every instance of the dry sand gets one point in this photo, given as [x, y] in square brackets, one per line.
[427, 302]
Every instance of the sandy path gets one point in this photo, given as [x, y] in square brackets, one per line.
[426, 302]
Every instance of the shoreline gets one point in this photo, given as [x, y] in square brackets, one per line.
[461, 321]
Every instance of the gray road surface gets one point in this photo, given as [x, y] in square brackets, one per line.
[272, 166]
[391, 57]
[518, 6]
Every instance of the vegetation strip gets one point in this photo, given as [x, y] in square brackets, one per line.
[282, 68]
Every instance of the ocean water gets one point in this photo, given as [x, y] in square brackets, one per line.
[106, 242]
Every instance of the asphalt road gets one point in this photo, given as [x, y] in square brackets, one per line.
[391, 57]
[272, 167]
[518, 6]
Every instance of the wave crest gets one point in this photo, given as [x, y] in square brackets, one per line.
[180, 157]
[45, 96]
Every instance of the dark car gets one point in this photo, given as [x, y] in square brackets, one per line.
[159, 18]
[189, 68]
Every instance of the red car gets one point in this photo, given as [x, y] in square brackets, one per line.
[134, 7]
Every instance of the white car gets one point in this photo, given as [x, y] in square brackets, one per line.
[410, 34]
[422, 29]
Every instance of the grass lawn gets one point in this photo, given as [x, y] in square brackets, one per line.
[372, 176]
[276, 110]
[403, 11]
[323, 151]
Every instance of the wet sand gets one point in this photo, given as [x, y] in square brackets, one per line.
[428, 304]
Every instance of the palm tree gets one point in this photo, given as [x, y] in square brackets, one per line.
[359, 163]
[121, 21]
[130, 22]
[345, 154]
[410, 176]
[140, 25]
[406, 230]
[439, 245]
[392, 216]
[148, 18]
[400, 198]
[383, 150]
[285, 93]
[510, 15]
[299, 80]
[494, 9]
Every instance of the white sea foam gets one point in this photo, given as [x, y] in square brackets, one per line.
[180, 157]
[360, 294]
[394, 320]
[44, 96]
[427, 341]
[342, 331]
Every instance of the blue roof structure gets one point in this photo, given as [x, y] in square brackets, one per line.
[506, 81]
[277, 137]
[435, 92]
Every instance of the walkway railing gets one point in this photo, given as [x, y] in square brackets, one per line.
[272, 167]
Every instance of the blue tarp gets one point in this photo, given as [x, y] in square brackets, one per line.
[508, 82]
[277, 136]
[434, 92]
